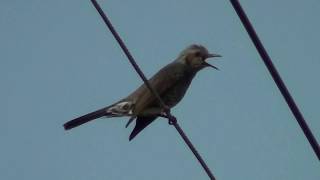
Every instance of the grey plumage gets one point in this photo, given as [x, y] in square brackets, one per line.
[171, 83]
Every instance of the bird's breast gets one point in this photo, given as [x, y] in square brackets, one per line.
[174, 94]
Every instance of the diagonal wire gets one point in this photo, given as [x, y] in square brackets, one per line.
[276, 77]
[172, 119]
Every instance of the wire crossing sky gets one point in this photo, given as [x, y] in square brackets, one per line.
[58, 62]
[276, 77]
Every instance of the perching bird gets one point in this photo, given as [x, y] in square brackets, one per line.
[171, 83]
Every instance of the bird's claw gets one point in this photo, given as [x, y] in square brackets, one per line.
[172, 120]
[167, 114]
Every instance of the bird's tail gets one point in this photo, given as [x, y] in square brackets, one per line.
[85, 118]
[122, 108]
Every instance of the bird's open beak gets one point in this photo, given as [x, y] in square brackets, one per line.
[212, 56]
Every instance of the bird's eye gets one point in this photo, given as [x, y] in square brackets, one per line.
[197, 54]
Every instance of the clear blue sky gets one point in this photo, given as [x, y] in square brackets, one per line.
[58, 61]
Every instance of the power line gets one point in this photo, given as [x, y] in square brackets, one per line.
[276, 77]
[171, 118]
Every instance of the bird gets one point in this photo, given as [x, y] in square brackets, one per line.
[171, 83]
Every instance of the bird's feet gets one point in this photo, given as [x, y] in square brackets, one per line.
[166, 114]
[163, 114]
[172, 120]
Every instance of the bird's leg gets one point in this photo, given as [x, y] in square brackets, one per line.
[167, 114]
[163, 114]
[172, 120]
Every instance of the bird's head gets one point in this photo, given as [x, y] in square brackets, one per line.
[195, 56]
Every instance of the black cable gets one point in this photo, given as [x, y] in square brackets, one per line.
[172, 119]
[276, 77]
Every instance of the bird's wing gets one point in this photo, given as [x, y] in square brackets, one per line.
[141, 123]
[161, 82]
